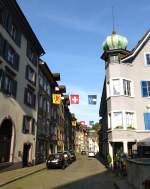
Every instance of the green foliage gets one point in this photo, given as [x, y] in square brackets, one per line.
[109, 159]
[96, 126]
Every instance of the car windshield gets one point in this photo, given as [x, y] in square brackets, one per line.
[55, 156]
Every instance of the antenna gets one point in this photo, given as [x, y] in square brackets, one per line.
[113, 21]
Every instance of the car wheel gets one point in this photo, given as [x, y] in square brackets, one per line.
[63, 166]
[48, 167]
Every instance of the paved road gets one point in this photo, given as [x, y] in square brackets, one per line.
[85, 173]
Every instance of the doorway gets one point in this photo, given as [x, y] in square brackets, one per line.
[5, 140]
[26, 149]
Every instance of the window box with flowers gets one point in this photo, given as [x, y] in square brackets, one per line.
[130, 127]
[119, 127]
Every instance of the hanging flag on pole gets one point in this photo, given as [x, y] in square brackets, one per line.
[74, 99]
[92, 99]
[56, 98]
[74, 123]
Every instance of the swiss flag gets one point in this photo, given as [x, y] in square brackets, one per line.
[74, 99]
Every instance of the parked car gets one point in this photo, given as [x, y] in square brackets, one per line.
[91, 154]
[83, 152]
[73, 155]
[56, 161]
[67, 156]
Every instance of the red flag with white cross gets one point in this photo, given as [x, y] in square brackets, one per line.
[74, 99]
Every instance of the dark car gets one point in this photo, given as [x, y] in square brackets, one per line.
[73, 156]
[56, 161]
[67, 156]
[83, 152]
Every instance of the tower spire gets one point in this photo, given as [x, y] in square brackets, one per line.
[113, 21]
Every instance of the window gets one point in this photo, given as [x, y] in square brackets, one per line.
[127, 87]
[28, 125]
[116, 87]
[13, 31]
[41, 80]
[11, 56]
[145, 85]
[147, 120]
[118, 119]
[45, 85]
[30, 74]
[30, 98]
[44, 104]
[147, 57]
[114, 59]
[48, 106]
[10, 26]
[109, 121]
[108, 89]
[48, 89]
[7, 84]
[129, 119]
[31, 55]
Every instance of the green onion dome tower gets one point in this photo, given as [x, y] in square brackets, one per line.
[115, 41]
[114, 46]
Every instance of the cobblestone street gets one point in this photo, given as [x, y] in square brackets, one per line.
[85, 173]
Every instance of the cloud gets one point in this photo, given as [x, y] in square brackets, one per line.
[84, 111]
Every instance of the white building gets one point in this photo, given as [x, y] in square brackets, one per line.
[125, 103]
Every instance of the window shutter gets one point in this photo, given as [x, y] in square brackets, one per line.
[6, 46]
[14, 88]
[33, 126]
[144, 88]
[23, 124]
[1, 45]
[27, 71]
[33, 100]
[18, 37]
[4, 18]
[147, 121]
[2, 79]
[9, 23]
[25, 95]
[28, 50]
[16, 61]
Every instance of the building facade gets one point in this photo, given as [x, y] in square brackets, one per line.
[124, 107]
[19, 54]
[81, 139]
[93, 141]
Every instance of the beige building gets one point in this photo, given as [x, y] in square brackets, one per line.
[19, 53]
[125, 105]
[81, 139]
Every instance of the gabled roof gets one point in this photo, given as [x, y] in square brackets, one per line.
[137, 48]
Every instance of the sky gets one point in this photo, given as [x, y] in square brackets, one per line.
[72, 32]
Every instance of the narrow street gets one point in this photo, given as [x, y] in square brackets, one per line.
[85, 173]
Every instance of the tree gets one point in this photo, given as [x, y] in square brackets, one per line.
[96, 126]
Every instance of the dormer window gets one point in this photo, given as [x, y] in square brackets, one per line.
[147, 59]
